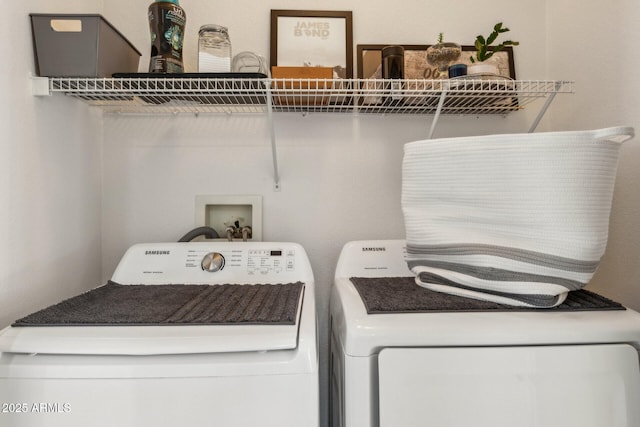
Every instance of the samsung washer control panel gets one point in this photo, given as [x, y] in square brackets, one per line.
[254, 261]
[216, 262]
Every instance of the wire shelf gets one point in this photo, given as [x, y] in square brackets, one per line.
[361, 96]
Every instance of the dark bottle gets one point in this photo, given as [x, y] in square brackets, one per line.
[393, 69]
[166, 22]
[393, 62]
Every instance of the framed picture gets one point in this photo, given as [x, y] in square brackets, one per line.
[415, 61]
[301, 38]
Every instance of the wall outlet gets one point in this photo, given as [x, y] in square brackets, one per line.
[220, 212]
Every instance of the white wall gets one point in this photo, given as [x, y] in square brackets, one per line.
[594, 44]
[50, 191]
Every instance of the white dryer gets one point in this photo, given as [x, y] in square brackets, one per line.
[200, 334]
[574, 366]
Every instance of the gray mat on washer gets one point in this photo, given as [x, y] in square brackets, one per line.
[113, 304]
[402, 295]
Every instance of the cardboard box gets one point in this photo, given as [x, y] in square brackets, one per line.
[80, 46]
[309, 81]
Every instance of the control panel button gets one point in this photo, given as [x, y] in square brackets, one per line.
[212, 262]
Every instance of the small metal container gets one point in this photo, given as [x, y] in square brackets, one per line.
[457, 70]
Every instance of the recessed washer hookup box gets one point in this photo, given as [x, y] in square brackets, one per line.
[80, 46]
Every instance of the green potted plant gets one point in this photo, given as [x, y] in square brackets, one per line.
[485, 50]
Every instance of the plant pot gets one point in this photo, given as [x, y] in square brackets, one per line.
[482, 68]
[442, 55]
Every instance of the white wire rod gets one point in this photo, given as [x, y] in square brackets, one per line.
[177, 110]
[150, 85]
[465, 96]
[484, 105]
[272, 137]
[542, 111]
[438, 111]
[334, 86]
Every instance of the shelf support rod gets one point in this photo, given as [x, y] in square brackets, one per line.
[546, 105]
[443, 95]
[272, 136]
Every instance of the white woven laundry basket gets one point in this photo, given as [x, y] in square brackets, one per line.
[517, 219]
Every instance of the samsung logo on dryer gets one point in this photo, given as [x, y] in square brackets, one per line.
[156, 252]
[374, 249]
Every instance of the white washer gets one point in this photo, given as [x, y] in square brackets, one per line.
[481, 369]
[190, 375]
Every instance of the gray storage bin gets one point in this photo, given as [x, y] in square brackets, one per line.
[80, 46]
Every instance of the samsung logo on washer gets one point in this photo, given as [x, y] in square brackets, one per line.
[156, 252]
[374, 249]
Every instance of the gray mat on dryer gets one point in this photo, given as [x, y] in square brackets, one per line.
[127, 305]
[402, 295]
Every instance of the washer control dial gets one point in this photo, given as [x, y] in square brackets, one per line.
[212, 262]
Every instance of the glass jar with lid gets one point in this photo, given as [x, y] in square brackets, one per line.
[214, 49]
